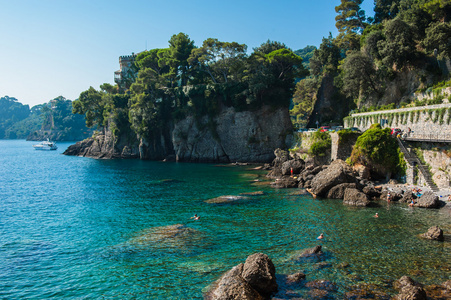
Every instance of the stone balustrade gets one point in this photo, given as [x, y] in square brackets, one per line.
[426, 122]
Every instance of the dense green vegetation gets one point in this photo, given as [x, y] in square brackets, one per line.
[18, 121]
[349, 71]
[369, 53]
[376, 149]
[183, 80]
[321, 143]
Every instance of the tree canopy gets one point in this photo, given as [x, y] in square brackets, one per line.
[186, 80]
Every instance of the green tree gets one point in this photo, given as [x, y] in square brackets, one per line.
[359, 75]
[269, 46]
[325, 60]
[306, 53]
[90, 104]
[385, 10]
[271, 77]
[438, 37]
[304, 99]
[350, 22]
[180, 47]
[153, 59]
[220, 60]
[370, 39]
[440, 9]
[287, 64]
[399, 47]
[11, 112]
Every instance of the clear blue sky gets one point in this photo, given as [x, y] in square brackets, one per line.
[51, 48]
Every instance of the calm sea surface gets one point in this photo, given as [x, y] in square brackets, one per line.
[80, 228]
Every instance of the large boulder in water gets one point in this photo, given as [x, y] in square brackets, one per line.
[355, 198]
[428, 200]
[260, 272]
[338, 191]
[434, 233]
[338, 172]
[232, 286]
[285, 182]
[409, 289]
[282, 156]
[255, 279]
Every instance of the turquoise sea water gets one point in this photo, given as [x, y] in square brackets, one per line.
[80, 228]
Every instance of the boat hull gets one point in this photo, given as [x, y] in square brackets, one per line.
[45, 146]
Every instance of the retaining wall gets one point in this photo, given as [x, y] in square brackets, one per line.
[428, 122]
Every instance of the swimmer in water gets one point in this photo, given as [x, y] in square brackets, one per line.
[321, 236]
[195, 217]
[376, 215]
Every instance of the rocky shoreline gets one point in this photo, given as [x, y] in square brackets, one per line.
[338, 180]
[335, 181]
[257, 279]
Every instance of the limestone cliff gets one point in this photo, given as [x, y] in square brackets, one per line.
[250, 136]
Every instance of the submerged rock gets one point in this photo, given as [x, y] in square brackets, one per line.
[258, 193]
[226, 199]
[176, 236]
[295, 278]
[311, 252]
[438, 291]
[366, 291]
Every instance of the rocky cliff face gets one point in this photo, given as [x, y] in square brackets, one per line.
[232, 136]
[104, 145]
[330, 105]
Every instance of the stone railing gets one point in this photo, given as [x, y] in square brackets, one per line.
[427, 107]
[432, 121]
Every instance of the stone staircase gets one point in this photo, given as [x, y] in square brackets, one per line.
[413, 160]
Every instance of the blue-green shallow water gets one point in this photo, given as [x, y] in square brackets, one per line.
[67, 229]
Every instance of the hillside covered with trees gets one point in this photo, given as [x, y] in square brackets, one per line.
[373, 61]
[184, 80]
[381, 60]
[53, 120]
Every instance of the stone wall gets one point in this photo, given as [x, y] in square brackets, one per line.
[338, 150]
[431, 122]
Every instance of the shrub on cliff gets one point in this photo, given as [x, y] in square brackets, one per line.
[321, 143]
[377, 150]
